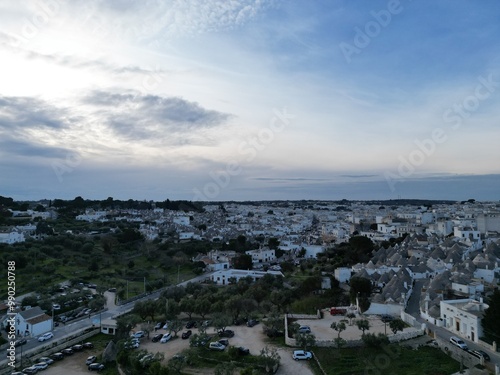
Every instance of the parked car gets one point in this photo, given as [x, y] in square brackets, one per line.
[157, 337]
[138, 334]
[458, 342]
[30, 370]
[187, 334]
[88, 345]
[131, 345]
[20, 342]
[337, 311]
[47, 360]
[480, 354]
[224, 342]
[191, 324]
[386, 318]
[166, 337]
[46, 336]
[215, 345]
[226, 333]
[252, 322]
[301, 354]
[159, 325]
[112, 290]
[56, 306]
[96, 367]
[41, 366]
[77, 347]
[304, 329]
[243, 351]
[57, 356]
[90, 360]
[67, 351]
[239, 321]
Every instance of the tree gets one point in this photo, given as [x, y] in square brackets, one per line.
[124, 324]
[171, 309]
[363, 325]
[187, 306]
[177, 363]
[273, 243]
[350, 316]
[225, 368]
[281, 298]
[490, 321]
[202, 307]
[175, 326]
[359, 287]
[220, 321]
[293, 329]
[340, 342]
[396, 325]
[339, 327]
[270, 358]
[305, 340]
[243, 262]
[375, 340]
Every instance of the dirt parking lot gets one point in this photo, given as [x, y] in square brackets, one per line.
[252, 338]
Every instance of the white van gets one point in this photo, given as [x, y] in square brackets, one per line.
[458, 342]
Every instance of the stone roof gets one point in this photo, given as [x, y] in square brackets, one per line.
[38, 319]
[32, 313]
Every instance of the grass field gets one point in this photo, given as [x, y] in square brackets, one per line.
[390, 360]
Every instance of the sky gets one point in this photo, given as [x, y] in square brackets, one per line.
[213, 100]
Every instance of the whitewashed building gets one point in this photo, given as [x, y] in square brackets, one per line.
[262, 255]
[33, 322]
[226, 276]
[463, 317]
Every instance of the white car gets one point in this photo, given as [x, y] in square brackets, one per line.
[47, 360]
[166, 337]
[132, 344]
[458, 342]
[301, 354]
[138, 334]
[41, 366]
[216, 346]
[46, 336]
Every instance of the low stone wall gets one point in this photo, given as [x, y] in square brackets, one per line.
[458, 354]
[398, 337]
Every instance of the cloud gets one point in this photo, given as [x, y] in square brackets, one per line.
[28, 149]
[143, 117]
[305, 179]
[27, 112]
